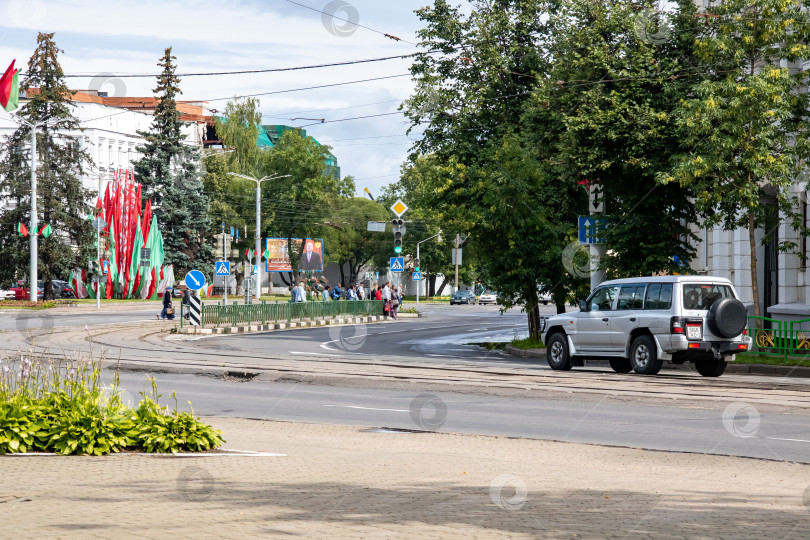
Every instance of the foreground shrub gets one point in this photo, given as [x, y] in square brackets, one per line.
[62, 407]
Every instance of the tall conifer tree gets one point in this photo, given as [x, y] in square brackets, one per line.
[170, 176]
[62, 200]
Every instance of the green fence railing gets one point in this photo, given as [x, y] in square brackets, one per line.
[779, 338]
[221, 314]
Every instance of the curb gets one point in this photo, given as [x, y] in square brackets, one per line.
[750, 369]
[255, 328]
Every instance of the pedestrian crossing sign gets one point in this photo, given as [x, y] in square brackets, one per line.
[223, 268]
[397, 264]
[417, 276]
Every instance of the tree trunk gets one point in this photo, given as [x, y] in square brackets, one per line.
[342, 275]
[560, 308]
[533, 313]
[441, 287]
[431, 282]
[752, 243]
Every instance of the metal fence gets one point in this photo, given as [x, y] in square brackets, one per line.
[779, 338]
[221, 314]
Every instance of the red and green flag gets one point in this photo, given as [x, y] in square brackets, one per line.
[10, 88]
[266, 254]
[22, 230]
[45, 231]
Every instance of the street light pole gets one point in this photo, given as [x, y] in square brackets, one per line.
[258, 253]
[419, 283]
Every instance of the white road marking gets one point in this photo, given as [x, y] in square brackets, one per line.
[367, 408]
[781, 439]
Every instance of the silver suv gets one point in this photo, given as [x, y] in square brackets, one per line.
[638, 323]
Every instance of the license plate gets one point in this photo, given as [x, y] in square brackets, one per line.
[694, 331]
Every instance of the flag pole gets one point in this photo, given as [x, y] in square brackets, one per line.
[33, 232]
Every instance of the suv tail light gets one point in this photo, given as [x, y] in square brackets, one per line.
[690, 327]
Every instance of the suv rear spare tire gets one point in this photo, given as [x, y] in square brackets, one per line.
[557, 352]
[727, 317]
[644, 356]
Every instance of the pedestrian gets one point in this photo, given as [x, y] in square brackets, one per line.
[168, 310]
[293, 293]
[394, 302]
[361, 292]
[377, 293]
[186, 302]
[302, 293]
[337, 292]
[386, 298]
[325, 294]
[352, 294]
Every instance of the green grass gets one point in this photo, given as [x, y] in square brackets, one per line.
[528, 343]
[772, 360]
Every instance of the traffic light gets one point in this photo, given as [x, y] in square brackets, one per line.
[399, 230]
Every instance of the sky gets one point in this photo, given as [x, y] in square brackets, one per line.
[102, 40]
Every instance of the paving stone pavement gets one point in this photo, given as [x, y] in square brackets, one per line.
[344, 482]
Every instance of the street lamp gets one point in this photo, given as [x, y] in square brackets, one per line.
[258, 222]
[419, 283]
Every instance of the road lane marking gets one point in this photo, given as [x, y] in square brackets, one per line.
[782, 439]
[367, 408]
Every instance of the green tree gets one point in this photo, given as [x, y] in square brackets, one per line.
[300, 198]
[348, 242]
[745, 123]
[63, 202]
[169, 172]
[604, 116]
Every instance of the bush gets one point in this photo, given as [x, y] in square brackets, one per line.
[63, 407]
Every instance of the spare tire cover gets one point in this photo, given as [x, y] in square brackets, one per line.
[727, 317]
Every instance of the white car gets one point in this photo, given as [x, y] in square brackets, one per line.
[488, 297]
[638, 323]
[6, 295]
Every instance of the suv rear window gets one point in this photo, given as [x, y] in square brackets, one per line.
[659, 296]
[703, 295]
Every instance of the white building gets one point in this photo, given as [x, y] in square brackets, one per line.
[110, 133]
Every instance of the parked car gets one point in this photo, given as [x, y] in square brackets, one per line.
[639, 323]
[488, 297]
[7, 294]
[462, 297]
[544, 297]
[23, 293]
[62, 289]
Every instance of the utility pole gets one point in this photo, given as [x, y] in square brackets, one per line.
[418, 260]
[258, 254]
[225, 279]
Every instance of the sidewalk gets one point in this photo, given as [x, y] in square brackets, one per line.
[343, 482]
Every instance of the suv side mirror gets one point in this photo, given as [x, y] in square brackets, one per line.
[583, 306]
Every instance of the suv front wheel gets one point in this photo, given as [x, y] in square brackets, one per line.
[644, 356]
[557, 352]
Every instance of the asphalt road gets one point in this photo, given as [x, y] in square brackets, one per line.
[32, 320]
[727, 431]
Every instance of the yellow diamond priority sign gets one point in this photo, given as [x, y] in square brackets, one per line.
[399, 207]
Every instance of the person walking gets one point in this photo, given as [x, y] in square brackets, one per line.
[337, 292]
[186, 302]
[352, 293]
[293, 293]
[325, 294]
[361, 292]
[377, 293]
[302, 294]
[386, 298]
[167, 305]
[395, 300]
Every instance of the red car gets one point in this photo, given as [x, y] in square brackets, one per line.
[23, 293]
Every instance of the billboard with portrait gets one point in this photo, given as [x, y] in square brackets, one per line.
[278, 259]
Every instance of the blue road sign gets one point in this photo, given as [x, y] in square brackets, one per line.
[195, 280]
[589, 230]
[397, 264]
[223, 268]
[106, 267]
[231, 232]
[417, 276]
[255, 269]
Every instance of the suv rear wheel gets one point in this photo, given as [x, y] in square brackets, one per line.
[644, 356]
[621, 365]
[557, 352]
[711, 367]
